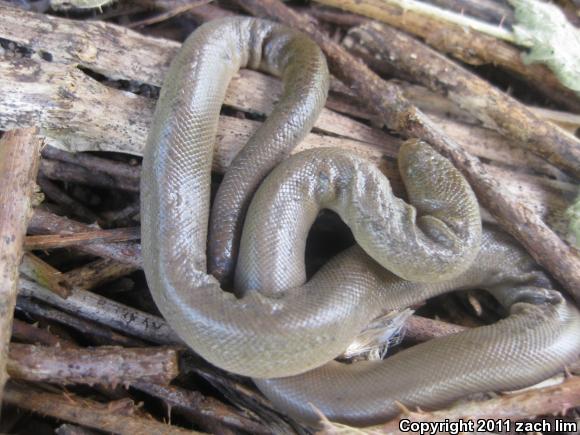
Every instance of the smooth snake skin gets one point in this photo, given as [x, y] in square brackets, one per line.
[283, 326]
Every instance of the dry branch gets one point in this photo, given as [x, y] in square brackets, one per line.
[54, 241]
[466, 45]
[105, 365]
[170, 13]
[105, 311]
[200, 408]
[95, 164]
[120, 417]
[99, 333]
[386, 50]
[19, 155]
[398, 114]
[97, 273]
[206, 412]
[27, 333]
[60, 197]
[46, 222]
[43, 273]
[58, 170]
[419, 329]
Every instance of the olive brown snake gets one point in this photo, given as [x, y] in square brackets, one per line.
[284, 331]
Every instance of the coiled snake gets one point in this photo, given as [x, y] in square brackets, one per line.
[284, 331]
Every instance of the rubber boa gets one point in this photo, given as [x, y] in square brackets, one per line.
[536, 340]
[275, 331]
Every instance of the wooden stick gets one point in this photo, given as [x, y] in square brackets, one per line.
[95, 164]
[97, 332]
[19, 156]
[105, 365]
[117, 417]
[102, 310]
[59, 170]
[71, 429]
[418, 329]
[82, 238]
[206, 412]
[201, 408]
[386, 49]
[169, 13]
[398, 114]
[467, 46]
[43, 273]
[60, 197]
[45, 222]
[97, 273]
[28, 333]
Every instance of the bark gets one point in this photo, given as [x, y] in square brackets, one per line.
[386, 49]
[46, 222]
[54, 241]
[105, 365]
[468, 46]
[97, 273]
[19, 155]
[121, 417]
[105, 311]
[43, 273]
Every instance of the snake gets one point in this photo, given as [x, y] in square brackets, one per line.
[283, 330]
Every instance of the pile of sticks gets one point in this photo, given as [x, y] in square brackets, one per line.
[80, 338]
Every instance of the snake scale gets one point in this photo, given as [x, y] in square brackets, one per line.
[285, 331]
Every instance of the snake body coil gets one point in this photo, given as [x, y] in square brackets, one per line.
[282, 326]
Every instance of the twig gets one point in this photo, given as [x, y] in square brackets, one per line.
[105, 365]
[384, 48]
[105, 311]
[101, 334]
[419, 329]
[200, 407]
[173, 12]
[45, 274]
[97, 273]
[122, 215]
[201, 13]
[60, 197]
[82, 238]
[64, 171]
[117, 417]
[468, 46]
[461, 20]
[245, 397]
[27, 333]
[487, 10]
[46, 222]
[398, 114]
[93, 163]
[19, 156]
